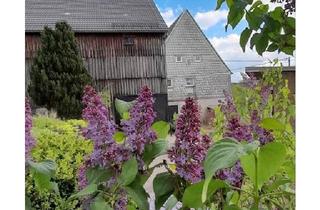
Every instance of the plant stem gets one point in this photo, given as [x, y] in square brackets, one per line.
[256, 188]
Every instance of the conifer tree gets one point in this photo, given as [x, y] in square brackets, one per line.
[58, 75]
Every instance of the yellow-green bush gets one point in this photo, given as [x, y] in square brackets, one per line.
[61, 142]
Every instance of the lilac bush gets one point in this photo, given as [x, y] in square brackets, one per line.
[240, 131]
[190, 147]
[138, 127]
[29, 140]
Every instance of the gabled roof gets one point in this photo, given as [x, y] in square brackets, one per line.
[90, 16]
[187, 14]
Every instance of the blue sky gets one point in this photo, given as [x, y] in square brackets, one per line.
[212, 23]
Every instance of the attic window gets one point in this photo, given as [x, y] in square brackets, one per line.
[197, 58]
[128, 41]
[189, 82]
[178, 59]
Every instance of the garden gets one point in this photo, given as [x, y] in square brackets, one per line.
[247, 162]
[79, 157]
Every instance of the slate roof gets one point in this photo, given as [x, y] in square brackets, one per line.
[91, 16]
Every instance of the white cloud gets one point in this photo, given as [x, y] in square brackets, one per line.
[208, 19]
[229, 48]
[169, 15]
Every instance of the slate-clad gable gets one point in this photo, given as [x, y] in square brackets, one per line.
[211, 75]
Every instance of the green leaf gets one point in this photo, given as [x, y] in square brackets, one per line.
[276, 184]
[219, 3]
[277, 14]
[269, 159]
[223, 154]
[231, 207]
[163, 187]
[272, 47]
[253, 40]
[97, 175]
[232, 197]
[88, 190]
[289, 167]
[230, 3]
[261, 43]
[46, 167]
[171, 203]
[28, 205]
[138, 195]
[161, 128]
[129, 172]
[235, 15]
[192, 195]
[272, 124]
[154, 150]
[123, 106]
[244, 38]
[99, 204]
[254, 19]
[119, 137]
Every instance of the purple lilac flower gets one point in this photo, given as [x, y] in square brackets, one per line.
[29, 140]
[138, 127]
[122, 202]
[190, 148]
[265, 93]
[107, 153]
[260, 133]
[233, 175]
[250, 81]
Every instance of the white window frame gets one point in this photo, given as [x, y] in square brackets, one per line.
[177, 60]
[169, 86]
[189, 85]
[197, 60]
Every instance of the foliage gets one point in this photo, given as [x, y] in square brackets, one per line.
[113, 176]
[268, 29]
[59, 141]
[58, 74]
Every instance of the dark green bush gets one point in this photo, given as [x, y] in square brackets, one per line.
[58, 76]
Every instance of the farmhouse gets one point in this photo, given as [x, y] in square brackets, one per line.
[121, 42]
[194, 67]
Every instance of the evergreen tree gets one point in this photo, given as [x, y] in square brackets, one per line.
[58, 75]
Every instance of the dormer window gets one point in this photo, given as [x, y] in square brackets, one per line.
[169, 83]
[189, 82]
[128, 40]
[197, 58]
[178, 59]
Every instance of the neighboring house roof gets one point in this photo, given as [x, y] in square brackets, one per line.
[172, 27]
[265, 68]
[90, 16]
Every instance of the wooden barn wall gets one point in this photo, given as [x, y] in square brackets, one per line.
[122, 69]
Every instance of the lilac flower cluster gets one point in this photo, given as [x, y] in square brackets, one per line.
[241, 132]
[29, 140]
[260, 133]
[107, 153]
[190, 147]
[138, 127]
[265, 93]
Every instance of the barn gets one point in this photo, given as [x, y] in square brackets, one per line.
[122, 42]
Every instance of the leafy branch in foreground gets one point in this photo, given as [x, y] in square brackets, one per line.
[267, 30]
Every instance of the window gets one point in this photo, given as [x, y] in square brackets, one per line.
[169, 83]
[190, 82]
[128, 40]
[178, 59]
[197, 58]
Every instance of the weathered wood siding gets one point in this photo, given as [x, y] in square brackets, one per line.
[111, 63]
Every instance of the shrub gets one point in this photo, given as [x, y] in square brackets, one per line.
[58, 74]
[61, 142]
